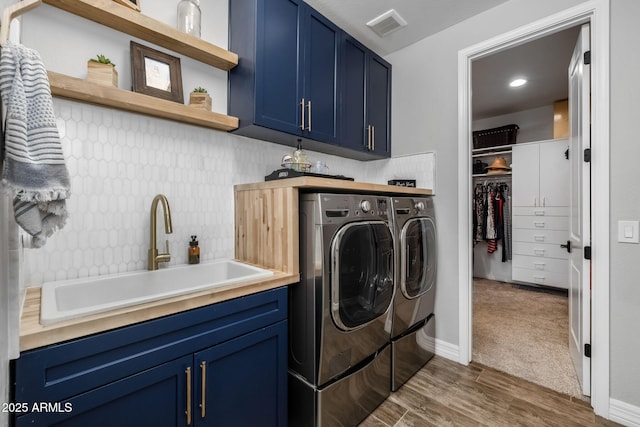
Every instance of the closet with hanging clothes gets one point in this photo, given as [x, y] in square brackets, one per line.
[491, 213]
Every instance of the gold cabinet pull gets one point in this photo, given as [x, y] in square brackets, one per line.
[369, 137]
[302, 116]
[188, 411]
[309, 116]
[203, 385]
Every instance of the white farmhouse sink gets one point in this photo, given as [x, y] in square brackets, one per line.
[68, 299]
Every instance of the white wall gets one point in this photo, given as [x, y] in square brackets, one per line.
[535, 124]
[426, 93]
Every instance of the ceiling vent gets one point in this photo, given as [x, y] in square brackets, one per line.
[387, 23]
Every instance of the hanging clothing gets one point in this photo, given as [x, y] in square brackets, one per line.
[492, 217]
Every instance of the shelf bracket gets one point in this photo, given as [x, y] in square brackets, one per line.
[12, 12]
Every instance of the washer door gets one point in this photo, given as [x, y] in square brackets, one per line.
[361, 273]
[417, 257]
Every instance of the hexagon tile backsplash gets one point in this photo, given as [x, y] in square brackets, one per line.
[119, 161]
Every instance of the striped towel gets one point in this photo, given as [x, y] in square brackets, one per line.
[33, 170]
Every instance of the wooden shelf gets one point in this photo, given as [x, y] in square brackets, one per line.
[82, 90]
[128, 21]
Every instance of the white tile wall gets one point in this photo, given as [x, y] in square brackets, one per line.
[119, 161]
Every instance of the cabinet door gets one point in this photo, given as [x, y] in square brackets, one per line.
[525, 175]
[379, 105]
[243, 382]
[352, 94]
[320, 73]
[279, 84]
[155, 397]
[554, 174]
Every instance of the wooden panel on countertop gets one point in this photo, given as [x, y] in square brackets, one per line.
[310, 183]
[266, 227]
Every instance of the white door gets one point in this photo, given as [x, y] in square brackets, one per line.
[580, 211]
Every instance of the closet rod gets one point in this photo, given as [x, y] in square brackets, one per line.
[489, 178]
[12, 12]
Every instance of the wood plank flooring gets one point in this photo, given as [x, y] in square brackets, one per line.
[446, 393]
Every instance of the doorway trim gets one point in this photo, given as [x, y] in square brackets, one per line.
[595, 12]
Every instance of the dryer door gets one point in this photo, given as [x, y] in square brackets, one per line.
[417, 257]
[361, 273]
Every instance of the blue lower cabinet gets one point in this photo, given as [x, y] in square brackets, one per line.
[221, 365]
[238, 383]
[155, 397]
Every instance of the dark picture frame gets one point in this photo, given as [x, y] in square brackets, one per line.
[133, 4]
[156, 73]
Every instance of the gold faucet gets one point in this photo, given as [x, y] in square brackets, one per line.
[154, 257]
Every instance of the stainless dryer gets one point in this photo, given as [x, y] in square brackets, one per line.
[412, 318]
[340, 358]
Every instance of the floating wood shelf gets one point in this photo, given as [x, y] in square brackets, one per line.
[82, 90]
[136, 24]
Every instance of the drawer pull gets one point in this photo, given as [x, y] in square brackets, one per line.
[538, 252]
[538, 213]
[539, 224]
[538, 238]
[188, 411]
[539, 265]
[203, 404]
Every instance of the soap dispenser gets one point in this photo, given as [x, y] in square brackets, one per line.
[194, 251]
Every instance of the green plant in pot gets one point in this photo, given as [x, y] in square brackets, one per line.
[101, 70]
[200, 98]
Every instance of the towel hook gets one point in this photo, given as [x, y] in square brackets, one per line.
[12, 12]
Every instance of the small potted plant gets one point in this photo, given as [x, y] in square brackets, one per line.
[199, 98]
[102, 71]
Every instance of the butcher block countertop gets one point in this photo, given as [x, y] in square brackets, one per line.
[309, 183]
[34, 335]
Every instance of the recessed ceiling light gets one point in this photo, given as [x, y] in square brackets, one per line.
[518, 82]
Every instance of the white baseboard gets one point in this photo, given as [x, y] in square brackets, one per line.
[624, 413]
[447, 350]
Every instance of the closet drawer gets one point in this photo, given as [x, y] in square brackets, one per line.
[540, 236]
[541, 222]
[540, 211]
[540, 264]
[546, 278]
[540, 250]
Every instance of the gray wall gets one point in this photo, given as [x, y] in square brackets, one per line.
[625, 200]
[425, 117]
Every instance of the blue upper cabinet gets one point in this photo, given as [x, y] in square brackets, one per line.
[288, 83]
[321, 42]
[379, 105]
[365, 99]
[278, 78]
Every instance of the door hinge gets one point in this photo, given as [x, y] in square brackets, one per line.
[587, 252]
[587, 57]
[587, 350]
[587, 155]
